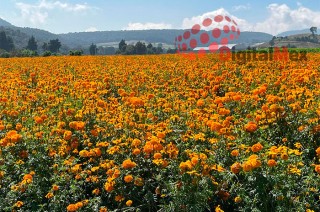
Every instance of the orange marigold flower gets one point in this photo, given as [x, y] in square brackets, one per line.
[136, 151]
[194, 160]
[318, 151]
[272, 163]
[251, 127]
[103, 209]
[200, 103]
[72, 208]
[80, 125]
[256, 147]
[157, 155]
[128, 178]
[135, 142]
[284, 156]
[18, 204]
[18, 127]
[317, 169]
[55, 187]
[235, 153]
[67, 135]
[185, 165]
[128, 164]
[119, 198]
[38, 120]
[235, 168]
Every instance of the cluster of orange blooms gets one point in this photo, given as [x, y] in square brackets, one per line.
[112, 125]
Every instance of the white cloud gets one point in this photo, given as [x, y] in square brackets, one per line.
[145, 26]
[241, 7]
[187, 23]
[281, 18]
[39, 12]
[91, 29]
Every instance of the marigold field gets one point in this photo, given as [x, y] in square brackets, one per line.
[159, 133]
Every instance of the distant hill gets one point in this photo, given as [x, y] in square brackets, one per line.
[4, 23]
[295, 41]
[294, 32]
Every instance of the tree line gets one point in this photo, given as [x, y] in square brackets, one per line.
[7, 48]
[139, 48]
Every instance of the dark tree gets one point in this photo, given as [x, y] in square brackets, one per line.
[159, 50]
[32, 44]
[313, 30]
[141, 48]
[93, 49]
[3, 40]
[45, 46]
[122, 46]
[10, 44]
[149, 46]
[6, 42]
[130, 50]
[54, 45]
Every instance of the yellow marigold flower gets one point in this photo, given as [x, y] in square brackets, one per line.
[96, 191]
[237, 199]
[128, 178]
[49, 195]
[218, 209]
[185, 165]
[84, 153]
[128, 164]
[129, 203]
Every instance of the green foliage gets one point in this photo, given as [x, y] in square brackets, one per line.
[75, 52]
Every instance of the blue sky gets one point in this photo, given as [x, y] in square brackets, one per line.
[62, 16]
